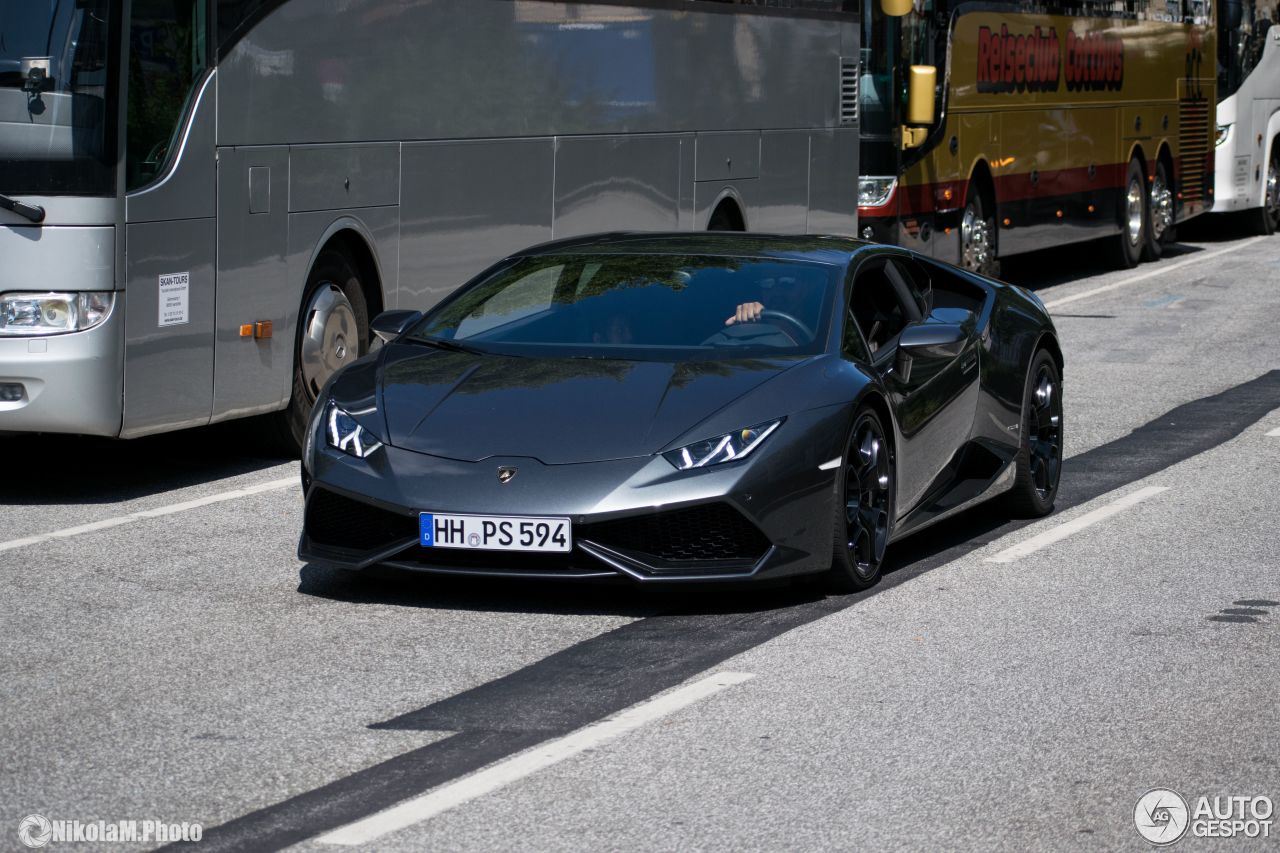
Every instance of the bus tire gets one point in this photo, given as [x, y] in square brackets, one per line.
[1160, 231]
[1266, 219]
[978, 236]
[333, 312]
[1134, 215]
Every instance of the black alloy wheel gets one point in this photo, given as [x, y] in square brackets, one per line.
[864, 507]
[1039, 460]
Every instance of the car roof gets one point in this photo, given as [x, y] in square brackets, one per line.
[813, 248]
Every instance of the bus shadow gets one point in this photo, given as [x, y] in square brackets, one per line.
[69, 469]
[1065, 264]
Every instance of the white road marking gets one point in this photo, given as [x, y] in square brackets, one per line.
[1152, 273]
[831, 465]
[1062, 531]
[269, 486]
[496, 776]
[1275, 433]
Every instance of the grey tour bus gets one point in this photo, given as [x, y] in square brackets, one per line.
[204, 202]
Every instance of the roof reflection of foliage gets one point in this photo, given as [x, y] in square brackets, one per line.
[476, 374]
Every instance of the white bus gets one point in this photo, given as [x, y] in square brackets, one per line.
[204, 202]
[1247, 160]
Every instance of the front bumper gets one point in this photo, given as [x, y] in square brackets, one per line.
[769, 516]
[71, 383]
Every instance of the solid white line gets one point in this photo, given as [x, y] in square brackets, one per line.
[1062, 531]
[1152, 273]
[269, 486]
[496, 776]
[1275, 433]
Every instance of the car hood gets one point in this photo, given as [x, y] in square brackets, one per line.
[557, 410]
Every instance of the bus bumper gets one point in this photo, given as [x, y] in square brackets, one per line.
[69, 383]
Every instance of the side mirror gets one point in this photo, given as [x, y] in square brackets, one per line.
[936, 341]
[390, 325]
[896, 8]
[921, 110]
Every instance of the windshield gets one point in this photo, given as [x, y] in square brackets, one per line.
[1243, 26]
[639, 307]
[56, 116]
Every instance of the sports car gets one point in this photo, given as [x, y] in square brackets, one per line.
[672, 408]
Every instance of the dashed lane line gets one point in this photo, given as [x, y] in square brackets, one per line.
[1075, 525]
[104, 524]
[495, 776]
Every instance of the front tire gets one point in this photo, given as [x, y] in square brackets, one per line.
[864, 507]
[978, 236]
[1039, 460]
[333, 331]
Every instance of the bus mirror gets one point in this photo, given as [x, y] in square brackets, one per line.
[896, 8]
[920, 93]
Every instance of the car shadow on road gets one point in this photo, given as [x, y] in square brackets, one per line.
[46, 470]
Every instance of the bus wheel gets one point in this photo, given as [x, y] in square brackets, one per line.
[978, 237]
[1268, 216]
[333, 331]
[1133, 218]
[1160, 226]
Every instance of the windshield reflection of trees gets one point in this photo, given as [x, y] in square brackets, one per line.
[478, 374]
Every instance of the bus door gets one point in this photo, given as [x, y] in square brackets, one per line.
[169, 230]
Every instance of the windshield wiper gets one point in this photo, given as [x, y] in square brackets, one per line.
[34, 212]
[445, 343]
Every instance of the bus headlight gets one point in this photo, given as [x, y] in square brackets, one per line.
[52, 313]
[874, 192]
[1224, 133]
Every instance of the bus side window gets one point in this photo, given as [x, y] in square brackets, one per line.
[168, 51]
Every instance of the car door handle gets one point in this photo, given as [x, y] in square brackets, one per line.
[970, 364]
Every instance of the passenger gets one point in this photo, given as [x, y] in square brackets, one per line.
[617, 331]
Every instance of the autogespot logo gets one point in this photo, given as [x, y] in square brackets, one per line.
[35, 830]
[1161, 816]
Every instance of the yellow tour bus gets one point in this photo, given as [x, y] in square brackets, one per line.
[991, 129]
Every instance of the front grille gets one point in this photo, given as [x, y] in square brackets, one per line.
[573, 563]
[341, 522]
[1193, 142]
[849, 72]
[702, 533]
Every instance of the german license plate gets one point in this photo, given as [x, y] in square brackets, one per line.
[494, 532]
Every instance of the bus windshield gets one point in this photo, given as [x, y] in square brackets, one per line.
[1243, 26]
[56, 126]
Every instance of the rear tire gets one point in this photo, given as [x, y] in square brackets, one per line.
[333, 331]
[1039, 460]
[864, 507]
[1134, 215]
[1160, 231]
[1266, 219]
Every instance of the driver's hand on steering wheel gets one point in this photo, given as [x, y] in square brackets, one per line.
[748, 312]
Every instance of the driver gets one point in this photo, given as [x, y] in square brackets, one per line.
[786, 295]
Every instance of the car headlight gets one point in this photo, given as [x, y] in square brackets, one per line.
[875, 192]
[52, 313]
[1224, 131]
[724, 448]
[343, 433]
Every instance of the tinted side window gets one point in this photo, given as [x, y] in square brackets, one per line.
[876, 309]
[168, 51]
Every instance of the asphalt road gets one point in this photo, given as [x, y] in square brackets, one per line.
[166, 657]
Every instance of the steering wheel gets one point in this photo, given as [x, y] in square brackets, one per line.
[788, 325]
